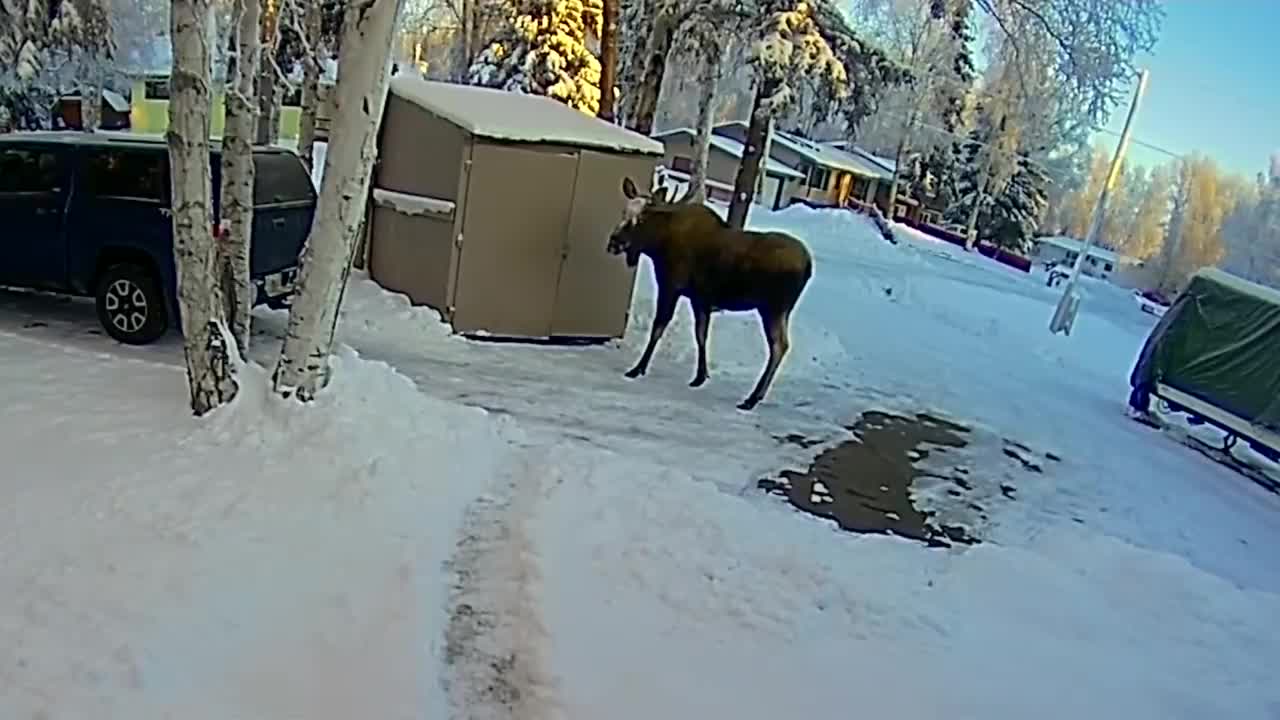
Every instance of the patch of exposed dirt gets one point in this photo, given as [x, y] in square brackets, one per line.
[865, 483]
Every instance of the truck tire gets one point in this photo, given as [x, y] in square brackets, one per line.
[131, 306]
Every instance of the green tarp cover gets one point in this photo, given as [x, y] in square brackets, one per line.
[1220, 342]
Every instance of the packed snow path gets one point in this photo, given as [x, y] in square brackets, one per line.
[611, 558]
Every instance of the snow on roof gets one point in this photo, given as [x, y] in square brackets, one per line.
[684, 177]
[517, 117]
[1240, 285]
[736, 149]
[824, 154]
[886, 164]
[1074, 245]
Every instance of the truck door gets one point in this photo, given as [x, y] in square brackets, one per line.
[33, 193]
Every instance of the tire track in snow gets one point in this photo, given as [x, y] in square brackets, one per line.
[495, 639]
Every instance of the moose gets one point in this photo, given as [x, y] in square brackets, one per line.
[695, 254]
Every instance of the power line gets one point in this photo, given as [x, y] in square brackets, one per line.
[1143, 143]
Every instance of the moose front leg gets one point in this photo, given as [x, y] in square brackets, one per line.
[701, 326]
[662, 315]
[777, 332]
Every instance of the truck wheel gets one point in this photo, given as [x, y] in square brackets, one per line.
[131, 307]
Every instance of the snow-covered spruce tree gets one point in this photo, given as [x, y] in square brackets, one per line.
[799, 43]
[207, 343]
[236, 223]
[542, 51]
[1010, 207]
[81, 45]
[359, 96]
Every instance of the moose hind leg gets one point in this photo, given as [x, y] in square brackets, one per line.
[662, 315]
[777, 334]
[701, 326]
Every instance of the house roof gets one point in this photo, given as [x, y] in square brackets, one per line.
[886, 163]
[736, 149]
[824, 154]
[1074, 245]
[684, 177]
[517, 117]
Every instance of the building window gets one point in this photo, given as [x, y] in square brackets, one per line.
[1107, 267]
[819, 178]
[156, 89]
[682, 164]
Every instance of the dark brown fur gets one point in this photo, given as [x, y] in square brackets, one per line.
[696, 255]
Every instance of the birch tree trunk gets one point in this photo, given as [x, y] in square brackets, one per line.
[205, 339]
[609, 61]
[744, 185]
[91, 103]
[236, 224]
[268, 93]
[708, 80]
[359, 94]
[310, 84]
[655, 69]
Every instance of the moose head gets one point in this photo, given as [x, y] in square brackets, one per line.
[636, 229]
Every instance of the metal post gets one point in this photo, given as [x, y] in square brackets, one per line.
[1064, 315]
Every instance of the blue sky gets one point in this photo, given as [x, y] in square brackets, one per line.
[1214, 86]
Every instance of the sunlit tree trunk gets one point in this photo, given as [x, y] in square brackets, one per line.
[744, 185]
[236, 224]
[205, 337]
[359, 94]
[608, 60]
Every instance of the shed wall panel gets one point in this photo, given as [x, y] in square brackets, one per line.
[594, 294]
[412, 254]
[516, 216]
[424, 152]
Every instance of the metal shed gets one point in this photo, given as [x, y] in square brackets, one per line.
[495, 208]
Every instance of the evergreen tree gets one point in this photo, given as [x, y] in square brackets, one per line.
[1010, 213]
[542, 50]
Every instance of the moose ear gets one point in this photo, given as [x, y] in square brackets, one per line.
[629, 189]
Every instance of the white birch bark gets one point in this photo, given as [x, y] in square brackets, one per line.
[310, 84]
[359, 94]
[91, 103]
[708, 79]
[209, 371]
[236, 224]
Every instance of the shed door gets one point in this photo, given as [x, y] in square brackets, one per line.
[595, 287]
[517, 211]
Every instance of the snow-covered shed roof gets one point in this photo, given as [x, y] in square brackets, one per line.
[736, 149]
[886, 163]
[517, 117]
[1239, 284]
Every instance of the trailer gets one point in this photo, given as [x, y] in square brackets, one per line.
[1215, 356]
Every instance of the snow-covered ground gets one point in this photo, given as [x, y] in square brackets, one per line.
[589, 546]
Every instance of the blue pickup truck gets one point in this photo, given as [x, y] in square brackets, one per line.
[89, 214]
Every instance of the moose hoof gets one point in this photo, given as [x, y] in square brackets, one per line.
[635, 372]
[698, 381]
[749, 404]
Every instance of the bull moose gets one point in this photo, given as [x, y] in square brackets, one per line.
[695, 254]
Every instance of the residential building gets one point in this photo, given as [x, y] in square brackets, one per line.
[725, 155]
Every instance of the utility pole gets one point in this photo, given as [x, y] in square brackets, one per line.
[1064, 316]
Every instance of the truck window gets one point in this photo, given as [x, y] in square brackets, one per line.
[24, 170]
[280, 178]
[127, 174]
